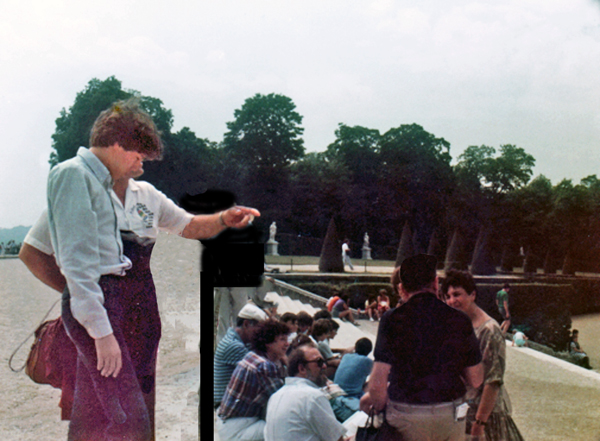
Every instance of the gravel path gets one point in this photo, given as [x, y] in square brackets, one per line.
[30, 411]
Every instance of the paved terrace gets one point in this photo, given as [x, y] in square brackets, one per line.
[552, 400]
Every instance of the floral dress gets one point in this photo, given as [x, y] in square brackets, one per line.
[500, 426]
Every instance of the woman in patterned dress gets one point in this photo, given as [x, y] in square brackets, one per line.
[489, 417]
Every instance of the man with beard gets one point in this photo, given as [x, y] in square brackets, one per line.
[299, 411]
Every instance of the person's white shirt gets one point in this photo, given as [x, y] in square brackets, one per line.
[146, 212]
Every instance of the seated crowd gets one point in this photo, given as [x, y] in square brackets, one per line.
[280, 379]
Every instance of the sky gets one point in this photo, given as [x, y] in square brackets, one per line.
[522, 72]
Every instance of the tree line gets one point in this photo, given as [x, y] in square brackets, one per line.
[366, 181]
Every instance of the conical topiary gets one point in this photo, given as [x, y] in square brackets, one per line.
[455, 255]
[331, 253]
[405, 248]
[551, 263]
[435, 247]
[482, 263]
[530, 262]
[569, 264]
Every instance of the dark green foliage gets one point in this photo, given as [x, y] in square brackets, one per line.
[188, 164]
[73, 126]
[331, 254]
[541, 310]
[185, 167]
[265, 133]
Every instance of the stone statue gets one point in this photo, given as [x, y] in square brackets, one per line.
[272, 232]
[366, 241]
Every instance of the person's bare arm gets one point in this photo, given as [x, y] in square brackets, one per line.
[473, 375]
[204, 226]
[43, 266]
[376, 395]
[486, 405]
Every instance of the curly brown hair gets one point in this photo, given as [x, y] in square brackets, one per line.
[128, 125]
[266, 333]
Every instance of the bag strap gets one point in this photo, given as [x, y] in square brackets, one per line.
[28, 337]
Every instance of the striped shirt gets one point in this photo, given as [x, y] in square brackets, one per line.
[254, 380]
[230, 351]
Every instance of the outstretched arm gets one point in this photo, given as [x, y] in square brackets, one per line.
[203, 226]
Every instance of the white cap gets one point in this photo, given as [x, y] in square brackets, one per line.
[253, 312]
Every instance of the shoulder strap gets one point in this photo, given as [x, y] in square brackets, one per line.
[27, 338]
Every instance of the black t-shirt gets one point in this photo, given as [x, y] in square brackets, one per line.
[428, 344]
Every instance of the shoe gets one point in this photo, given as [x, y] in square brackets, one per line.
[371, 319]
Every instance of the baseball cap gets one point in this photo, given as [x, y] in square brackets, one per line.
[252, 312]
[418, 271]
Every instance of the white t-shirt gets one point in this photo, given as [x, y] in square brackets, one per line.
[345, 249]
[146, 212]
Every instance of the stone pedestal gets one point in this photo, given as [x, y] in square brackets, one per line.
[272, 247]
[366, 253]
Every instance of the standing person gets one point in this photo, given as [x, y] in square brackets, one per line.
[300, 411]
[258, 376]
[489, 404]
[38, 255]
[425, 349]
[109, 399]
[502, 300]
[345, 255]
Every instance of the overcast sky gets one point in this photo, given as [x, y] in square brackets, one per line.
[522, 72]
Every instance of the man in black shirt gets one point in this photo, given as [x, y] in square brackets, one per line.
[427, 351]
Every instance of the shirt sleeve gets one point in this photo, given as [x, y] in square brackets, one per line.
[270, 378]
[76, 239]
[171, 218]
[493, 350]
[323, 420]
[325, 350]
[39, 235]
[382, 352]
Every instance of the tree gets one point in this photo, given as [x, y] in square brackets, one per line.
[318, 191]
[512, 169]
[415, 166]
[356, 147]
[73, 126]
[266, 132]
[261, 143]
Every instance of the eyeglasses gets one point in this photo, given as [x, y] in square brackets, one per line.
[319, 361]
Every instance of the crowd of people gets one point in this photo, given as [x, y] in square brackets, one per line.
[276, 376]
[443, 379]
